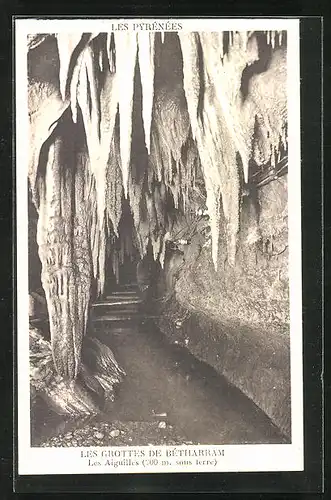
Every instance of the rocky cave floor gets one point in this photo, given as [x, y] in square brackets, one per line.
[119, 434]
[168, 397]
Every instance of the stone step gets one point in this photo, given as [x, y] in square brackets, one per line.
[112, 317]
[122, 294]
[116, 305]
[115, 314]
[128, 285]
[115, 301]
[124, 318]
[126, 288]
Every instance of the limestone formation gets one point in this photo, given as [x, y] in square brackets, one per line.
[206, 115]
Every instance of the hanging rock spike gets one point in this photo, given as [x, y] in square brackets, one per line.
[281, 38]
[146, 50]
[88, 93]
[110, 54]
[74, 88]
[126, 56]
[108, 112]
[66, 43]
[189, 46]
[221, 35]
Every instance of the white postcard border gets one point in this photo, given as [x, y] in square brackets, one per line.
[238, 458]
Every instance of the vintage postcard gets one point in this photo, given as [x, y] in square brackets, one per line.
[158, 245]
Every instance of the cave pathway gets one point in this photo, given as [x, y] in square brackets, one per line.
[165, 382]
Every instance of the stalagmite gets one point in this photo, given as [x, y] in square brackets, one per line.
[82, 261]
[126, 55]
[115, 265]
[166, 238]
[101, 260]
[64, 254]
[95, 244]
[156, 245]
[146, 44]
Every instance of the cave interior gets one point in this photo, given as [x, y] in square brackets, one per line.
[158, 150]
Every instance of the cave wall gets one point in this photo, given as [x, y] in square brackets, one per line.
[237, 319]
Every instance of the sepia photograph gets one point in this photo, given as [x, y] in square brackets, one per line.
[158, 226]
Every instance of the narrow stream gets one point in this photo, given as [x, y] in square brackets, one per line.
[165, 379]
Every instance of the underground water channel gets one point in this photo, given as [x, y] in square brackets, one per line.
[165, 382]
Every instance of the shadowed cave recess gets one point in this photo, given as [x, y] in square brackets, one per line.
[158, 197]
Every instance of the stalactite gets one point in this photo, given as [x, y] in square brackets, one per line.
[271, 111]
[126, 55]
[137, 202]
[206, 149]
[143, 237]
[191, 59]
[146, 43]
[115, 265]
[204, 124]
[88, 101]
[33, 41]
[45, 103]
[108, 158]
[226, 80]
[111, 53]
[220, 35]
[225, 128]
[114, 185]
[159, 205]
[274, 38]
[67, 43]
[170, 134]
[99, 110]
[74, 87]
[155, 158]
